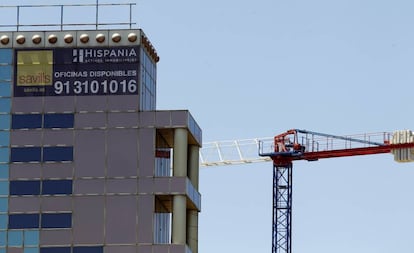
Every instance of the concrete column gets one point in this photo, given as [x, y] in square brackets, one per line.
[192, 230]
[180, 152]
[179, 220]
[192, 215]
[193, 165]
[179, 216]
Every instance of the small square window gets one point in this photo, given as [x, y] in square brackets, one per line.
[3, 221]
[55, 250]
[5, 89]
[30, 187]
[4, 138]
[88, 249]
[31, 238]
[4, 205]
[59, 120]
[31, 250]
[57, 187]
[26, 154]
[4, 188]
[3, 238]
[57, 154]
[15, 238]
[4, 172]
[5, 105]
[21, 221]
[26, 121]
[4, 121]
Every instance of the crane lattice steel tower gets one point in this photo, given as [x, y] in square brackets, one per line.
[294, 145]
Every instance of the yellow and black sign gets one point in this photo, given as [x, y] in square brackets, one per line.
[34, 68]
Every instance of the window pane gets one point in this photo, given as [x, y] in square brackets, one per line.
[5, 105]
[20, 221]
[3, 240]
[15, 238]
[30, 121]
[4, 205]
[31, 238]
[4, 155]
[4, 188]
[4, 121]
[96, 249]
[25, 187]
[6, 56]
[5, 89]
[55, 250]
[4, 138]
[59, 120]
[57, 154]
[5, 72]
[3, 221]
[31, 250]
[56, 220]
[57, 187]
[4, 171]
[26, 154]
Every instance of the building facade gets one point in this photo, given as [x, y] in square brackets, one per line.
[87, 163]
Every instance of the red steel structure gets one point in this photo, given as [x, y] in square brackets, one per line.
[298, 144]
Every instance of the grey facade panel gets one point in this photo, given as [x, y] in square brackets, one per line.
[56, 204]
[179, 118]
[57, 170]
[89, 153]
[163, 119]
[90, 120]
[146, 207]
[25, 137]
[147, 119]
[27, 104]
[24, 204]
[123, 119]
[57, 137]
[123, 103]
[121, 249]
[146, 152]
[88, 223]
[145, 185]
[89, 186]
[122, 152]
[125, 186]
[91, 103]
[121, 219]
[61, 237]
[25, 171]
[59, 104]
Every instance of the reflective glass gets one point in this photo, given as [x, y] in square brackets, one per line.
[4, 171]
[6, 56]
[31, 250]
[30, 121]
[4, 121]
[88, 249]
[3, 221]
[5, 72]
[21, 221]
[31, 187]
[59, 120]
[56, 220]
[3, 238]
[26, 154]
[57, 187]
[57, 154]
[5, 105]
[55, 250]
[4, 138]
[4, 188]
[31, 238]
[15, 238]
[4, 205]
[5, 89]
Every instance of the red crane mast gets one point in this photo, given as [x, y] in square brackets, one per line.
[298, 144]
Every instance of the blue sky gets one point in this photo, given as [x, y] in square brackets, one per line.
[256, 69]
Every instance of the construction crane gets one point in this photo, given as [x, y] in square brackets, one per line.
[294, 145]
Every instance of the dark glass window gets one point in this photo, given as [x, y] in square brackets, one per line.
[55, 250]
[20, 121]
[56, 220]
[57, 154]
[26, 154]
[22, 221]
[57, 187]
[88, 249]
[24, 187]
[65, 120]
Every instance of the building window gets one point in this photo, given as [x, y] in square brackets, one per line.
[22, 221]
[57, 154]
[88, 249]
[163, 162]
[26, 121]
[59, 120]
[56, 220]
[55, 250]
[24, 187]
[50, 187]
[162, 228]
[26, 154]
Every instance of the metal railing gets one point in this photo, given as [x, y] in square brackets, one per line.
[15, 12]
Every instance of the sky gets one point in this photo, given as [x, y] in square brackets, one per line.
[248, 69]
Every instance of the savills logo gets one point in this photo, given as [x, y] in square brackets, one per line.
[34, 68]
[105, 55]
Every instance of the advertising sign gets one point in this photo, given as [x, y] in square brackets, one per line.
[76, 71]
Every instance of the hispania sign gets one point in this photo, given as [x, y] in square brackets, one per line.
[76, 72]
